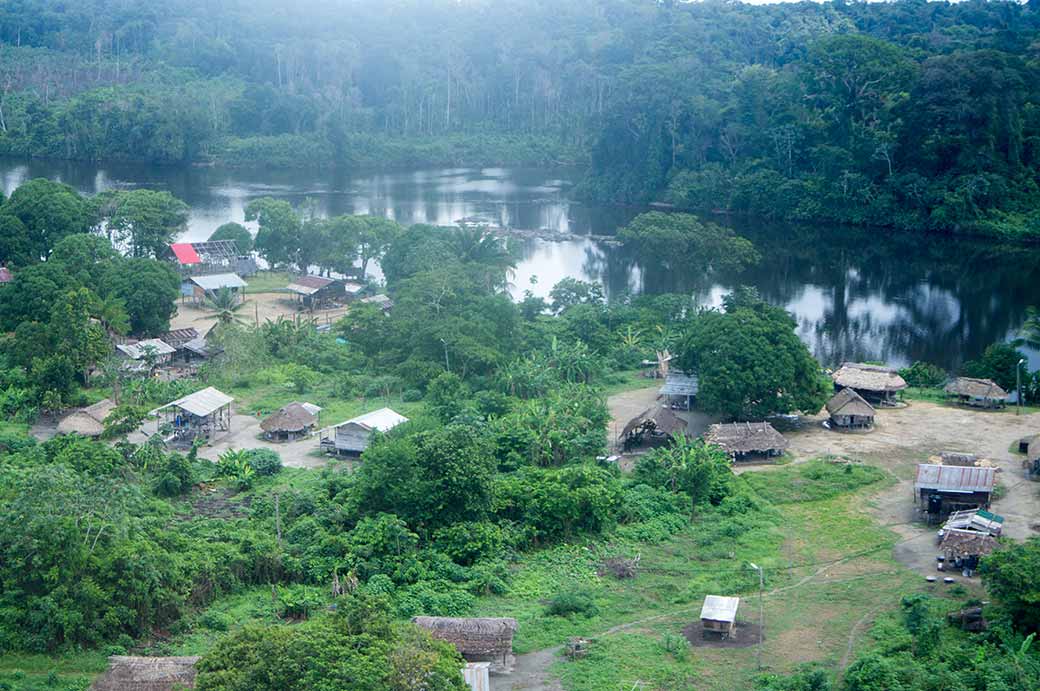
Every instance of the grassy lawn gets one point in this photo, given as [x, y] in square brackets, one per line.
[26, 672]
[263, 399]
[267, 282]
[631, 380]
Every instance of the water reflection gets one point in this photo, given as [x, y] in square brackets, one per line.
[855, 294]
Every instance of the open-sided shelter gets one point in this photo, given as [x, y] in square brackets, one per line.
[291, 422]
[129, 673]
[746, 440]
[849, 410]
[719, 615]
[204, 414]
[202, 287]
[154, 349]
[87, 422]
[483, 639]
[877, 384]
[313, 292]
[680, 389]
[942, 489]
[978, 393]
[353, 436]
[653, 426]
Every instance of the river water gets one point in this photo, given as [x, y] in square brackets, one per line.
[856, 294]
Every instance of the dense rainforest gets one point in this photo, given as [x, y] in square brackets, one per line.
[912, 114]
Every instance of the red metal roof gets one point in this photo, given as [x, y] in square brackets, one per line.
[185, 253]
[5, 275]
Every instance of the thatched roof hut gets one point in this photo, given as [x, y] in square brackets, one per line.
[848, 409]
[981, 393]
[483, 639]
[873, 382]
[127, 673]
[87, 422]
[290, 421]
[661, 419]
[740, 439]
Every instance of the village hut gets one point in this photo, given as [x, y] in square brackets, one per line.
[942, 489]
[87, 422]
[381, 301]
[313, 292]
[964, 548]
[290, 422]
[353, 436]
[654, 426]
[212, 257]
[137, 355]
[202, 287]
[680, 389]
[127, 673]
[849, 410]
[745, 440]
[977, 393]
[719, 615]
[352, 290]
[483, 639]
[201, 415]
[878, 385]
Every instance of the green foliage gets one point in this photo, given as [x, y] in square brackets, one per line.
[686, 241]
[818, 479]
[924, 375]
[235, 232]
[1012, 576]
[145, 221]
[698, 470]
[236, 466]
[572, 602]
[264, 462]
[999, 362]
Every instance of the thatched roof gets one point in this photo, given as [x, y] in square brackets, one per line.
[291, 418]
[89, 421]
[664, 421]
[476, 639]
[957, 458]
[985, 389]
[856, 375]
[126, 673]
[848, 402]
[746, 437]
[967, 543]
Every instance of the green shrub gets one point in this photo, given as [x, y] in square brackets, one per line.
[264, 462]
[412, 395]
[572, 602]
[924, 375]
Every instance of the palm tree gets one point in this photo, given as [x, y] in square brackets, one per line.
[1029, 334]
[225, 305]
[110, 311]
[478, 246]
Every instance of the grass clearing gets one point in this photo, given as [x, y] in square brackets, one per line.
[267, 282]
[812, 481]
[38, 672]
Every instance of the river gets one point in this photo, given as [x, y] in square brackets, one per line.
[856, 294]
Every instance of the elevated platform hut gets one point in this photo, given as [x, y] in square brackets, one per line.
[977, 393]
[316, 292]
[850, 411]
[879, 385]
[352, 437]
[211, 257]
[128, 673]
[89, 421]
[653, 427]
[745, 441]
[963, 548]
[719, 616]
[483, 639]
[291, 422]
[943, 489]
[680, 389]
[205, 414]
[202, 287]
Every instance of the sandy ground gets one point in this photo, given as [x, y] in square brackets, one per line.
[628, 404]
[531, 673]
[258, 308]
[245, 434]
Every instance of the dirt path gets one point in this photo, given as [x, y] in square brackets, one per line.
[531, 673]
[258, 308]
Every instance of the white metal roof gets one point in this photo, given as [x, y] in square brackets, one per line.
[954, 478]
[352, 288]
[382, 420]
[720, 608]
[201, 403]
[218, 281]
[311, 408]
[679, 384]
[136, 351]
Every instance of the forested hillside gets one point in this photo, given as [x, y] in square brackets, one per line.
[908, 114]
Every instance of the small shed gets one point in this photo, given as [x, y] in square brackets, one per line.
[978, 393]
[353, 436]
[314, 292]
[483, 639]
[352, 290]
[877, 384]
[680, 389]
[381, 301]
[719, 615]
[89, 421]
[291, 422]
[176, 338]
[128, 673]
[654, 426]
[155, 349]
[849, 410]
[943, 489]
[201, 415]
[207, 286]
[746, 440]
[964, 548]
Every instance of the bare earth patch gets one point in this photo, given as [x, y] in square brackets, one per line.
[746, 636]
[258, 308]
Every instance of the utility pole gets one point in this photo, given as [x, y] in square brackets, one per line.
[1018, 385]
[761, 611]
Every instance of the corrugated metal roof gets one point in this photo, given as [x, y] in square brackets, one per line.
[311, 408]
[352, 288]
[136, 351]
[185, 253]
[201, 403]
[954, 478]
[309, 285]
[720, 608]
[679, 384]
[382, 420]
[218, 281]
